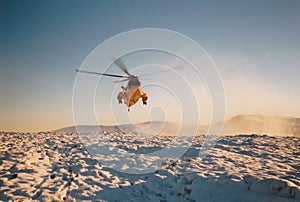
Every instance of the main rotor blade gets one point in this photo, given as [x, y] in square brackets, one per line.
[121, 80]
[104, 74]
[122, 66]
[163, 71]
[148, 79]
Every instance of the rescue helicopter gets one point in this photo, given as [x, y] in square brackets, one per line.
[132, 92]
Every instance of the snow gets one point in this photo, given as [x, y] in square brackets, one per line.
[56, 166]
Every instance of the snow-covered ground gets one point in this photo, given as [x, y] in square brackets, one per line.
[56, 166]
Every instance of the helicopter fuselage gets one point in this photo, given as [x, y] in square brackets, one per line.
[132, 93]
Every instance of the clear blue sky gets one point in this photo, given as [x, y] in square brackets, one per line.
[42, 42]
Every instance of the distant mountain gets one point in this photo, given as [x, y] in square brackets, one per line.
[261, 124]
[240, 124]
[151, 128]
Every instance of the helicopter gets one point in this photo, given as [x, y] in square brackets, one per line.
[133, 91]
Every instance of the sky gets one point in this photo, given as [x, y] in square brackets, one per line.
[255, 45]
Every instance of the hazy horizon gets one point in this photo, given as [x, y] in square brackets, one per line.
[254, 44]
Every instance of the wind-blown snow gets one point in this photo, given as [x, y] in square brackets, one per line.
[259, 124]
[241, 124]
[56, 166]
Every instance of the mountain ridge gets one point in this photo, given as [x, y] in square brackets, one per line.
[239, 124]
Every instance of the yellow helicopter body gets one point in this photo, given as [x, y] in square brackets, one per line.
[132, 93]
